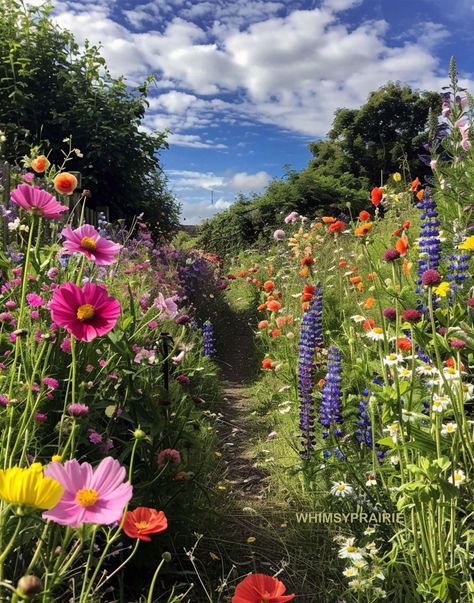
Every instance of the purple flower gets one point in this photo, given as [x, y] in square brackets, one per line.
[330, 409]
[311, 342]
[279, 235]
[34, 300]
[391, 254]
[50, 382]
[77, 410]
[390, 313]
[183, 379]
[430, 243]
[208, 339]
[431, 278]
[94, 437]
[183, 319]
[411, 315]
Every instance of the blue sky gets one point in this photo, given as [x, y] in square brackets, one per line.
[245, 85]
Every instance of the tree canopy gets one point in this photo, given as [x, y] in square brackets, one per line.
[385, 135]
[50, 89]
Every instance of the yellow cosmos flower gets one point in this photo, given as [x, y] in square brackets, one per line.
[467, 244]
[442, 289]
[397, 176]
[27, 486]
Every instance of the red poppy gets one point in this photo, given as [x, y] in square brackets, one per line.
[415, 184]
[401, 246]
[406, 225]
[342, 264]
[368, 324]
[275, 333]
[337, 226]
[376, 196]
[404, 344]
[258, 588]
[143, 521]
[267, 363]
[397, 232]
[269, 286]
[306, 261]
[309, 289]
[364, 216]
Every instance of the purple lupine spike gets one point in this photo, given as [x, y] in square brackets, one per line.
[330, 409]
[311, 342]
[430, 243]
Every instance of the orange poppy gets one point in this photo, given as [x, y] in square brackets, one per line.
[143, 521]
[404, 344]
[419, 194]
[415, 184]
[304, 272]
[401, 246]
[280, 321]
[355, 280]
[40, 164]
[242, 274]
[273, 305]
[369, 303]
[337, 226]
[305, 306]
[328, 220]
[269, 286]
[322, 382]
[65, 183]
[406, 267]
[363, 229]
[376, 196]
[262, 307]
[364, 216]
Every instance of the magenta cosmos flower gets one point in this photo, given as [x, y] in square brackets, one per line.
[85, 313]
[88, 241]
[36, 200]
[90, 495]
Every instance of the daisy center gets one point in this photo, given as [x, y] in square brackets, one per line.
[351, 549]
[85, 312]
[378, 330]
[87, 498]
[141, 525]
[89, 244]
[341, 487]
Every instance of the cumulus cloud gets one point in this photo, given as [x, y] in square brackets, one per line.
[247, 183]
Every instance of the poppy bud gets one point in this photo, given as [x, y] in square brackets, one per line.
[29, 585]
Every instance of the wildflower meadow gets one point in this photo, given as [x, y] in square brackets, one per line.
[289, 421]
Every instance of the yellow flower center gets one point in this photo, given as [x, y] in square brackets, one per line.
[458, 477]
[378, 330]
[85, 312]
[89, 244]
[351, 549]
[87, 498]
[392, 357]
[141, 525]
[341, 487]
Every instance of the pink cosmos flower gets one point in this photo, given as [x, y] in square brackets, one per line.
[90, 495]
[35, 200]
[88, 241]
[85, 313]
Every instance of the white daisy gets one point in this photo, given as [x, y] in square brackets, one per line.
[427, 369]
[350, 551]
[341, 489]
[448, 428]
[408, 416]
[393, 359]
[458, 478]
[359, 564]
[450, 373]
[358, 318]
[440, 403]
[376, 334]
[404, 373]
[392, 430]
[350, 572]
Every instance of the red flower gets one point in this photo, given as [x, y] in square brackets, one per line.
[415, 184]
[403, 344]
[368, 324]
[267, 363]
[259, 588]
[269, 286]
[273, 306]
[143, 521]
[401, 246]
[376, 196]
[337, 226]
[364, 216]
[307, 260]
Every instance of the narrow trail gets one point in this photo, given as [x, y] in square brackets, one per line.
[237, 431]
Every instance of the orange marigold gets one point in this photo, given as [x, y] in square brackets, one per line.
[370, 301]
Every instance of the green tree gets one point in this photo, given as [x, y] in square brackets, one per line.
[50, 90]
[385, 135]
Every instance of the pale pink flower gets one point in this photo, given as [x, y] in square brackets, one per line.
[90, 495]
[87, 240]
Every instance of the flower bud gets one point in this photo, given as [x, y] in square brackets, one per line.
[166, 556]
[139, 434]
[29, 585]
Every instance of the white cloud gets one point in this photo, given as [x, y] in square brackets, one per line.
[246, 183]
